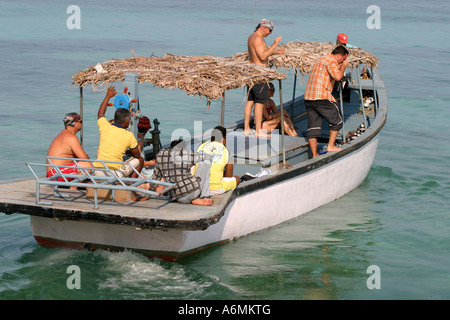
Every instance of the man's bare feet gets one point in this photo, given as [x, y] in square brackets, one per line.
[333, 148]
[202, 202]
[144, 186]
[249, 132]
[262, 134]
[139, 199]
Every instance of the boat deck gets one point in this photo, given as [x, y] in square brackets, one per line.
[19, 196]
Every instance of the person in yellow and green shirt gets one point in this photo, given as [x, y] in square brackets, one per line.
[221, 177]
[115, 139]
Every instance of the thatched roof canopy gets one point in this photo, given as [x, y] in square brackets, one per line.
[204, 76]
[301, 56]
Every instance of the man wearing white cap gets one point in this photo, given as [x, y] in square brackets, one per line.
[66, 145]
[259, 53]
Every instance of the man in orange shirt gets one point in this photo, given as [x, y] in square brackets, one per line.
[319, 101]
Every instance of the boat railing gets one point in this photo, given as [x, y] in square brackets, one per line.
[360, 84]
[86, 178]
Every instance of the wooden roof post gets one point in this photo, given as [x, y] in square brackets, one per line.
[222, 115]
[293, 94]
[282, 125]
[131, 83]
[81, 114]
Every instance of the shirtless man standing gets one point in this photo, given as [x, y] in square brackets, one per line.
[67, 145]
[259, 53]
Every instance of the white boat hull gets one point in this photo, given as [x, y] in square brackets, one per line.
[248, 213]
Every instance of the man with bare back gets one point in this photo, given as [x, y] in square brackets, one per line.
[259, 53]
[67, 145]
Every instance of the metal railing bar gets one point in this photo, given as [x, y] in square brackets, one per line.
[93, 181]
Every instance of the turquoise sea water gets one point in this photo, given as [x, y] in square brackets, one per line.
[398, 219]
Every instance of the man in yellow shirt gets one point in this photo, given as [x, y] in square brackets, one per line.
[221, 178]
[115, 139]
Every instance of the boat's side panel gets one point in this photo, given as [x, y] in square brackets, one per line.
[286, 200]
[113, 235]
[168, 245]
[248, 213]
[296, 196]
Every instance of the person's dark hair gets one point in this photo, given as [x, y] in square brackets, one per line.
[121, 115]
[175, 142]
[218, 133]
[340, 50]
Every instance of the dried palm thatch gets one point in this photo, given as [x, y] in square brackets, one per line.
[301, 56]
[206, 76]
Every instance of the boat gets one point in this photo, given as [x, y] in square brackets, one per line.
[286, 184]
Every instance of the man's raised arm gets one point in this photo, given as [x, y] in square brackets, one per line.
[111, 92]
